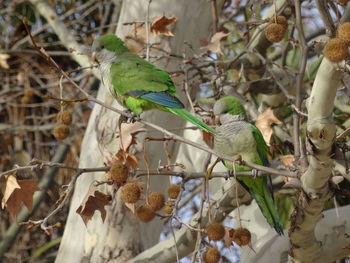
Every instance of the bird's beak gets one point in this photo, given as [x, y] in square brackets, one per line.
[217, 120]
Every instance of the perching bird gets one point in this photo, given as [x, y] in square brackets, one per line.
[237, 137]
[137, 84]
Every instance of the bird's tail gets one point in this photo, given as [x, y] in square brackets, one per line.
[269, 209]
[194, 120]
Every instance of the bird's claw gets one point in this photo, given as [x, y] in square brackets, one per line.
[255, 173]
[131, 119]
[230, 173]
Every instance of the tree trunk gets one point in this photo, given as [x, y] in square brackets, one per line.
[121, 236]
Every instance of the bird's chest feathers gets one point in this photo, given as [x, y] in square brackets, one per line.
[107, 80]
[234, 139]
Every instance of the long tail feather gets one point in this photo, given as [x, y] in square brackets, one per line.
[263, 196]
[194, 120]
[268, 209]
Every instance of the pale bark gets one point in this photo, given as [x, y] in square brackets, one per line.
[321, 135]
[121, 236]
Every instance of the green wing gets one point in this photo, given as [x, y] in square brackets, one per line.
[261, 145]
[131, 73]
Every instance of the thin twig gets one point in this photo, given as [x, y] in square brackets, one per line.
[147, 30]
[299, 85]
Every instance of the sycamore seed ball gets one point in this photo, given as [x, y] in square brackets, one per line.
[25, 100]
[343, 2]
[343, 32]
[216, 231]
[156, 200]
[173, 191]
[281, 20]
[335, 50]
[274, 32]
[241, 236]
[131, 193]
[119, 172]
[61, 131]
[212, 255]
[168, 206]
[29, 92]
[64, 117]
[145, 213]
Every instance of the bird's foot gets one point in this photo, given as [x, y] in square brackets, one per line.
[132, 118]
[255, 173]
[230, 174]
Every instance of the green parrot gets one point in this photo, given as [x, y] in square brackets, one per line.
[137, 84]
[237, 137]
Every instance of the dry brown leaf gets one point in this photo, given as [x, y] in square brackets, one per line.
[228, 238]
[128, 132]
[136, 38]
[3, 60]
[264, 122]
[292, 183]
[160, 23]
[288, 160]
[131, 207]
[337, 179]
[214, 45]
[17, 192]
[94, 200]
[126, 158]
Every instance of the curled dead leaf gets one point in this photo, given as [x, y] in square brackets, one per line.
[214, 45]
[3, 60]
[159, 25]
[136, 38]
[228, 237]
[337, 179]
[292, 183]
[288, 160]
[18, 192]
[128, 133]
[265, 121]
[94, 200]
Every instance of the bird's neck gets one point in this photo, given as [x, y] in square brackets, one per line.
[226, 118]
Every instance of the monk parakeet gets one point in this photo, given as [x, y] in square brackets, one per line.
[237, 137]
[136, 83]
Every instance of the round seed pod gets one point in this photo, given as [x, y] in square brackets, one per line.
[343, 2]
[212, 255]
[242, 236]
[168, 207]
[156, 200]
[25, 100]
[145, 213]
[119, 172]
[64, 117]
[216, 231]
[131, 193]
[29, 92]
[173, 191]
[274, 32]
[61, 131]
[281, 20]
[343, 32]
[335, 50]
[288, 11]
[7, 139]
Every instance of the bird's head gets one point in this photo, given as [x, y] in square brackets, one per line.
[106, 47]
[229, 109]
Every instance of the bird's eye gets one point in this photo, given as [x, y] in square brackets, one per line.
[102, 46]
